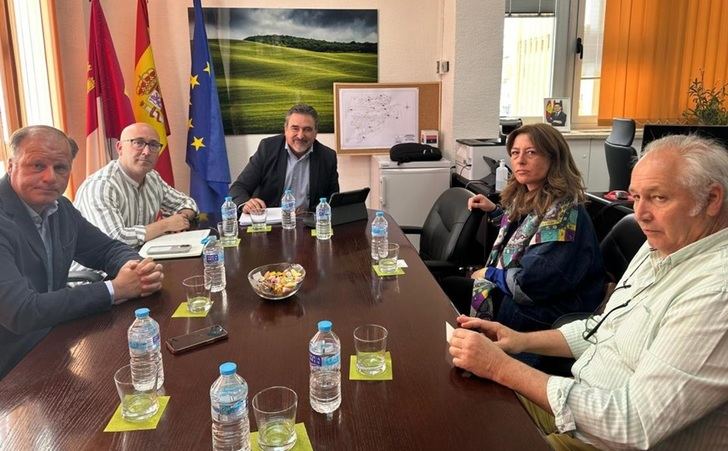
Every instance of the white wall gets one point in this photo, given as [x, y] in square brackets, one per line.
[413, 34]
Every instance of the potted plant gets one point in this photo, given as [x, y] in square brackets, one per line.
[709, 103]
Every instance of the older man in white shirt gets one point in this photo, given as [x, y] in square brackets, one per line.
[652, 370]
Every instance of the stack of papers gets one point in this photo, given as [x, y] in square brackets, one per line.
[273, 216]
[193, 238]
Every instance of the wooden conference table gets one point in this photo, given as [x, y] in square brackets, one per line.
[62, 394]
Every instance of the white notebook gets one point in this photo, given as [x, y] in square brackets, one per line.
[273, 216]
[193, 238]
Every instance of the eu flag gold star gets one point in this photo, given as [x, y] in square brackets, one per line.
[197, 142]
[189, 123]
[207, 67]
[193, 81]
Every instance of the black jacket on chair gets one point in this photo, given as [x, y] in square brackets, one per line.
[264, 176]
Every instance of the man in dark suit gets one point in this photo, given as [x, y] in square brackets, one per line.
[293, 160]
[41, 233]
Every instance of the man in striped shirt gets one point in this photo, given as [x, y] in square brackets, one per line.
[125, 197]
[652, 370]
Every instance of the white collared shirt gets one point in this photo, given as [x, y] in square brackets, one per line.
[657, 376]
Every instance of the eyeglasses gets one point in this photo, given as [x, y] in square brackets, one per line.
[140, 143]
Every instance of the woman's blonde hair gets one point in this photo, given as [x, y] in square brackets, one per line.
[563, 181]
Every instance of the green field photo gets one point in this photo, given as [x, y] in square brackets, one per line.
[266, 60]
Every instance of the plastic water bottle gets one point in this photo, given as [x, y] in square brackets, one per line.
[323, 220]
[380, 241]
[288, 210]
[324, 357]
[213, 259]
[229, 410]
[229, 213]
[501, 177]
[145, 347]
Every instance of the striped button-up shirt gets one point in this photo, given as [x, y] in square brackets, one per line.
[120, 207]
[657, 374]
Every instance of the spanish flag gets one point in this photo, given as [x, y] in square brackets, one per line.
[108, 109]
[148, 105]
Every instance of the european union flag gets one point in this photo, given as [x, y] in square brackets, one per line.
[206, 153]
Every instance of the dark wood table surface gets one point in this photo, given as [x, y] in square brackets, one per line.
[62, 394]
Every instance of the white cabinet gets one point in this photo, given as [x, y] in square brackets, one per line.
[588, 154]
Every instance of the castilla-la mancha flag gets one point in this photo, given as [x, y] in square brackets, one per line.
[108, 109]
[148, 105]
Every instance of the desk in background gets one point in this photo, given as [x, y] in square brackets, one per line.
[604, 213]
[62, 394]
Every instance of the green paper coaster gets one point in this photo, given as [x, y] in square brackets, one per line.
[303, 443]
[313, 232]
[119, 424]
[182, 312]
[237, 243]
[267, 229]
[386, 375]
[398, 272]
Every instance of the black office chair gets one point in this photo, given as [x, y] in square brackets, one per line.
[447, 238]
[618, 248]
[620, 154]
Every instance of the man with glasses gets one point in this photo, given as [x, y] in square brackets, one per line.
[126, 197]
[293, 160]
[40, 234]
[652, 370]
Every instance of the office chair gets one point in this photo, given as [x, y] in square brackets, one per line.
[618, 248]
[82, 277]
[620, 154]
[447, 238]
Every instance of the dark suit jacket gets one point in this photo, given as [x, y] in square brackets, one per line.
[27, 308]
[265, 174]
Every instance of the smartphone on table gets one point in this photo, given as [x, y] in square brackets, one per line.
[193, 340]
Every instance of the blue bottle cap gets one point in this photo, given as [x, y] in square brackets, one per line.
[141, 312]
[228, 198]
[323, 199]
[228, 368]
[380, 213]
[324, 326]
[289, 191]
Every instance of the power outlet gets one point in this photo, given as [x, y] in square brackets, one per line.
[443, 67]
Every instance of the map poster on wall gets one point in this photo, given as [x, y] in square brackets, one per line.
[378, 117]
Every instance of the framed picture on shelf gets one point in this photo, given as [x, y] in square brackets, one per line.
[557, 112]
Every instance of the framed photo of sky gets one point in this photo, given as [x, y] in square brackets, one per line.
[268, 59]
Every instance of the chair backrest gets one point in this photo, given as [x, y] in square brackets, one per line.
[448, 233]
[622, 133]
[620, 246]
[620, 160]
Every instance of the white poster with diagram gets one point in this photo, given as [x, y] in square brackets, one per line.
[378, 118]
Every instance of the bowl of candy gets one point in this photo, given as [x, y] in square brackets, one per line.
[277, 280]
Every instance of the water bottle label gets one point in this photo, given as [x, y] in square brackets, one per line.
[144, 345]
[379, 231]
[231, 410]
[288, 206]
[214, 257]
[323, 361]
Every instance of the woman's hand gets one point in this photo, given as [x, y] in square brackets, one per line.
[481, 202]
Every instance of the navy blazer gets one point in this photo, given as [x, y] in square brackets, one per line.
[265, 174]
[27, 308]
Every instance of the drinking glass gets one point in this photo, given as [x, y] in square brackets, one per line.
[388, 264]
[136, 405]
[258, 219]
[275, 413]
[198, 294]
[370, 342]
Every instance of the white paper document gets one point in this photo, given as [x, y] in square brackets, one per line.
[273, 216]
[193, 238]
[448, 331]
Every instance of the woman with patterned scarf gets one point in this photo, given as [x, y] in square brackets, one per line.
[546, 260]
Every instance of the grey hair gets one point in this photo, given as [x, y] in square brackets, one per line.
[17, 138]
[303, 108]
[705, 161]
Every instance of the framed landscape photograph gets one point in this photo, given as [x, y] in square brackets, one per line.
[557, 112]
[268, 59]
